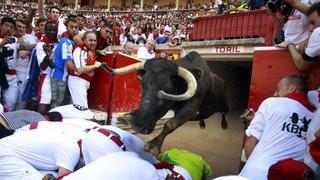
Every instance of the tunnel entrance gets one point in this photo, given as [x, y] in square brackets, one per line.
[237, 76]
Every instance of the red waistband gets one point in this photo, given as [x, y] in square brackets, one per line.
[83, 76]
[115, 139]
[12, 72]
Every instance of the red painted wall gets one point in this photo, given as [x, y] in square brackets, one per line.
[270, 64]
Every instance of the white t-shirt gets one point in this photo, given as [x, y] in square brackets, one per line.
[67, 129]
[80, 57]
[44, 150]
[41, 54]
[117, 166]
[74, 111]
[22, 64]
[294, 28]
[132, 143]
[144, 54]
[279, 125]
[313, 48]
[313, 97]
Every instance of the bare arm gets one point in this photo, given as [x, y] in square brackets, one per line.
[88, 68]
[41, 9]
[277, 20]
[29, 20]
[249, 145]
[299, 5]
[63, 172]
[297, 58]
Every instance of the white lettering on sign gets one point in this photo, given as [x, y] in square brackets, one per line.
[227, 49]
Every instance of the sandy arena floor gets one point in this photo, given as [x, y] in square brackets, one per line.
[220, 148]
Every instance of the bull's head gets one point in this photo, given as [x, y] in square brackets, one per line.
[159, 90]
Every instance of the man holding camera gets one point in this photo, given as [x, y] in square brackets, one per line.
[45, 51]
[279, 128]
[8, 59]
[303, 60]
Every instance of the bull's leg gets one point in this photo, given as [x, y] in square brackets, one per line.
[182, 116]
[224, 123]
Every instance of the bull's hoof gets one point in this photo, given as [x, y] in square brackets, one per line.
[224, 124]
[125, 119]
[151, 148]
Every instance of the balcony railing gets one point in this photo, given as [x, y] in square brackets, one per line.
[251, 24]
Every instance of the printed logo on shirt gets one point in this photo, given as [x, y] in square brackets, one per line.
[66, 51]
[7, 53]
[81, 108]
[298, 126]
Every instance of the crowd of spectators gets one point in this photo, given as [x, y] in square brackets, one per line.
[164, 23]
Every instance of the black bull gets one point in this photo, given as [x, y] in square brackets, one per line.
[170, 85]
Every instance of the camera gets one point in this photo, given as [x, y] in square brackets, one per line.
[48, 45]
[284, 8]
[245, 114]
[12, 40]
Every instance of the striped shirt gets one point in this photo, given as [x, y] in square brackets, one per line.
[17, 119]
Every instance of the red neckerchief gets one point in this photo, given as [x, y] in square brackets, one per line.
[65, 34]
[303, 99]
[45, 39]
[38, 35]
[155, 37]
[165, 165]
[85, 48]
[56, 22]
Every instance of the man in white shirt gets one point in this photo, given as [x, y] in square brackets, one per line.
[26, 43]
[304, 60]
[9, 51]
[22, 153]
[278, 129]
[146, 52]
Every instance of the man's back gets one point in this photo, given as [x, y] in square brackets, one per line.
[280, 126]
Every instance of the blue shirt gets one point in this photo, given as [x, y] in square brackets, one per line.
[161, 40]
[63, 54]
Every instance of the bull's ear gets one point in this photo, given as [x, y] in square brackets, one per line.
[140, 74]
[198, 73]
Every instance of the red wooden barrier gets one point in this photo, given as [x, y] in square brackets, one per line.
[270, 64]
[100, 88]
[126, 91]
[241, 25]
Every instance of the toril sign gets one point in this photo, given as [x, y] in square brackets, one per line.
[227, 49]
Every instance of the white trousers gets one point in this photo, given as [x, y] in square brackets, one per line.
[46, 91]
[78, 88]
[10, 95]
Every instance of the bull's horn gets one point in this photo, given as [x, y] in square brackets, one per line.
[192, 87]
[124, 70]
